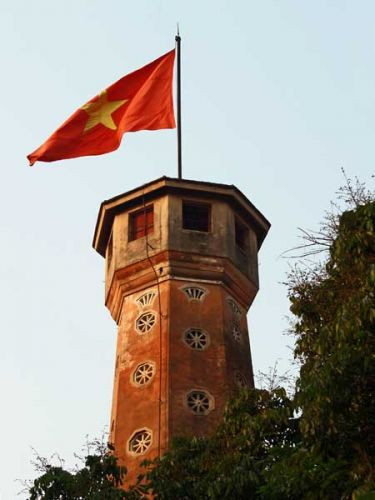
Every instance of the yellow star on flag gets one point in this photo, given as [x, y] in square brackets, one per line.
[101, 111]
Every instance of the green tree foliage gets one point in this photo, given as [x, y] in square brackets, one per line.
[98, 478]
[335, 344]
[257, 425]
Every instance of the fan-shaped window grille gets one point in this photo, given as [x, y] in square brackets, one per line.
[145, 322]
[194, 292]
[240, 379]
[196, 339]
[143, 374]
[146, 299]
[235, 308]
[140, 442]
[199, 402]
[236, 332]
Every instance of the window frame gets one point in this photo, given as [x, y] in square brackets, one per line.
[109, 254]
[202, 392]
[129, 445]
[241, 234]
[148, 228]
[198, 204]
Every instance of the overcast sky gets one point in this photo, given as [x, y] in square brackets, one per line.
[277, 97]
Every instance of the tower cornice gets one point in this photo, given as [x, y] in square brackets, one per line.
[178, 266]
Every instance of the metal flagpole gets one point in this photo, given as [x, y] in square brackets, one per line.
[178, 54]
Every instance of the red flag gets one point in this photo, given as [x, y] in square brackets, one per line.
[141, 100]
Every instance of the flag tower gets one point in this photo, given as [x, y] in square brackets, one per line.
[181, 273]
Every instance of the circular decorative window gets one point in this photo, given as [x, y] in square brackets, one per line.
[236, 333]
[143, 374]
[145, 322]
[140, 442]
[199, 402]
[240, 380]
[196, 339]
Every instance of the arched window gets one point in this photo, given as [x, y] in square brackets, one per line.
[234, 307]
[194, 292]
[146, 299]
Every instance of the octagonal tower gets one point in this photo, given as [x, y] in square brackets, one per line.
[181, 274]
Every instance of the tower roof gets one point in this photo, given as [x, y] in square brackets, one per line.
[182, 187]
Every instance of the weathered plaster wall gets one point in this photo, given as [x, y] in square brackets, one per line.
[165, 262]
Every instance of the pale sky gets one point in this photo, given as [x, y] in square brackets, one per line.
[277, 97]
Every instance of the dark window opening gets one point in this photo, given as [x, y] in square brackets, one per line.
[141, 223]
[196, 216]
[240, 234]
[110, 250]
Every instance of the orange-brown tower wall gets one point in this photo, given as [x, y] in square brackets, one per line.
[186, 281]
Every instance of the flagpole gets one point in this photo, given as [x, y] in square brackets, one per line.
[179, 152]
